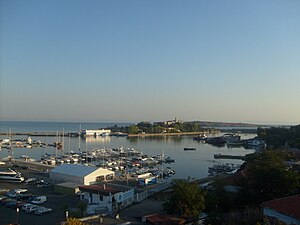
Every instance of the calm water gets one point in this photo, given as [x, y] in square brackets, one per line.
[187, 163]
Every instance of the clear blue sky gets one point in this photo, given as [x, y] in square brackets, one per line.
[78, 60]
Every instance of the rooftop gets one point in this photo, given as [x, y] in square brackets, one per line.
[74, 169]
[288, 206]
[104, 189]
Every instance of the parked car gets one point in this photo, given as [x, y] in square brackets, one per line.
[42, 210]
[10, 203]
[24, 197]
[42, 183]
[39, 200]
[30, 180]
[25, 206]
[16, 192]
[3, 202]
[19, 204]
[31, 208]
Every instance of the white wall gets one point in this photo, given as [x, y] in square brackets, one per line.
[61, 178]
[94, 200]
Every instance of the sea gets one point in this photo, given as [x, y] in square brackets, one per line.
[188, 164]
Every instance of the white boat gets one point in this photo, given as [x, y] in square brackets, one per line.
[11, 176]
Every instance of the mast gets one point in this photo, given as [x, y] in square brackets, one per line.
[63, 141]
[79, 137]
[56, 144]
[162, 164]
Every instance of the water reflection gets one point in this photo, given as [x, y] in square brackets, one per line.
[97, 139]
[156, 138]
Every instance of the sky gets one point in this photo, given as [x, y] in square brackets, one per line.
[138, 60]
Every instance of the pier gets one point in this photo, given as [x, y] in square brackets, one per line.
[42, 134]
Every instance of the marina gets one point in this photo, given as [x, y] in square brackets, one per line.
[111, 151]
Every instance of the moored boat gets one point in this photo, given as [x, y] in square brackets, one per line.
[189, 149]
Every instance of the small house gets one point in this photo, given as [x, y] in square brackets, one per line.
[106, 197]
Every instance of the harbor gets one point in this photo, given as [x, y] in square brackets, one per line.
[57, 142]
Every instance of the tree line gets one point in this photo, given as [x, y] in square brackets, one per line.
[277, 137]
[159, 127]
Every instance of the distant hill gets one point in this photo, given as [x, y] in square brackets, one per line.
[225, 124]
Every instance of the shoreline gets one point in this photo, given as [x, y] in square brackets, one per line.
[75, 134]
[173, 134]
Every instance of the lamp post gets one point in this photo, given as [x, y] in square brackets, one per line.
[18, 210]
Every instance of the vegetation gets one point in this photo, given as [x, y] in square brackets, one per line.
[187, 200]
[276, 137]
[159, 127]
[74, 221]
[268, 177]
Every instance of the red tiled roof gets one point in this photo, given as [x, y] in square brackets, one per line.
[104, 189]
[289, 206]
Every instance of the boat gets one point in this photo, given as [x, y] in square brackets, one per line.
[216, 141]
[189, 149]
[200, 137]
[169, 160]
[255, 143]
[222, 168]
[11, 176]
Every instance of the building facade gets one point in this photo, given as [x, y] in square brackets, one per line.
[106, 197]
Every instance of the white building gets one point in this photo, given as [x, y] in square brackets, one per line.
[106, 197]
[102, 132]
[79, 174]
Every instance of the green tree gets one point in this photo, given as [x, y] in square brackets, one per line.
[268, 176]
[133, 129]
[187, 199]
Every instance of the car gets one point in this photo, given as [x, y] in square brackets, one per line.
[16, 192]
[24, 197]
[42, 210]
[30, 180]
[3, 202]
[19, 204]
[32, 208]
[10, 203]
[42, 183]
[39, 200]
[25, 206]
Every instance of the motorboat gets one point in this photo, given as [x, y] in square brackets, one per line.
[189, 149]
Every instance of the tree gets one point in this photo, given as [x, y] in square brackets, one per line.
[187, 200]
[133, 129]
[269, 177]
